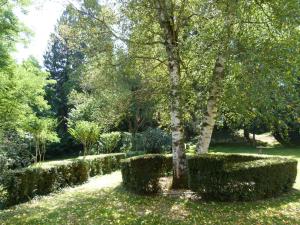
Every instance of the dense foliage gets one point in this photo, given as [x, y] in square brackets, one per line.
[87, 133]
[152, 140]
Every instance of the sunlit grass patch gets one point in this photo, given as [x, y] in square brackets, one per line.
[102, 200]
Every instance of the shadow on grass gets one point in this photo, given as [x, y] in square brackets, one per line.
[118, 206]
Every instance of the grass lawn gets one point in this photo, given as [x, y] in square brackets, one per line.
[102, 200]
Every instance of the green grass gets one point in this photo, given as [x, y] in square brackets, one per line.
[103, 201]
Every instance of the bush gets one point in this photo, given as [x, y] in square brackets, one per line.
[110, 142]
[288, 135]
[153, 140]
[240, 177]
[3, 165]
[141, 173]
[16, 151]
[126, 141]
[23, 184]
[87, 133]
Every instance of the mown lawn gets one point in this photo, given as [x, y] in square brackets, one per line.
[103, 201]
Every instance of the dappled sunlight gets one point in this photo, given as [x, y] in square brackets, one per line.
[102, 200]
[99, 182]
[161, 90]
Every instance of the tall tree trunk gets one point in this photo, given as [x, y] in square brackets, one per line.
[167, 23]
[209, 118]
[215, 91]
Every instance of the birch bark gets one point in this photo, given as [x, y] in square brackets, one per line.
[167, 23]
[209, 118]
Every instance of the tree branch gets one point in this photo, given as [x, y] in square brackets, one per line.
[111, 31]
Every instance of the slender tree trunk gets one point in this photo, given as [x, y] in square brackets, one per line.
[209, 118]
[40, 155]
[84, 149]
[167, 23]
[36, 150]
[44, 151]
[247, 135]
[253, 139]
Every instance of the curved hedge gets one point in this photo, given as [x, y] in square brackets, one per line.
[232, 177]
[222, 177]
[23, 184]
[141, 173]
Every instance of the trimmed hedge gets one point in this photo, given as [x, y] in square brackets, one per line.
[232, 177]
[222, 177]
[21, 185]
[141, 173]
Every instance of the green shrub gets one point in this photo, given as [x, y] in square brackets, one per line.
[3, 164]
[126, 142]
[23, 184]
[87, 133]
[15, 152]
[141, 173]
[240, 177]
[110, 142]
[288, 133]
[152, 140]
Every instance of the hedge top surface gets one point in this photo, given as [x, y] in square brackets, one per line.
[269, 161]
[54, 163]
[235, 161]
[228, 158]
[143, 157]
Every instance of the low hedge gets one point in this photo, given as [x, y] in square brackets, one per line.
[222, 177]
[232, 177]
[21, 185]
[141, 173]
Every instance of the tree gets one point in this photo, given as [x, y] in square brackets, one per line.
[87, 133]
[22, 94]
[10, 28]
[167, 20]
[22, 91]
[98, 21]
[42, 131]
[190, 57]
[23, 106]
[64, 64]
[244, 25]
